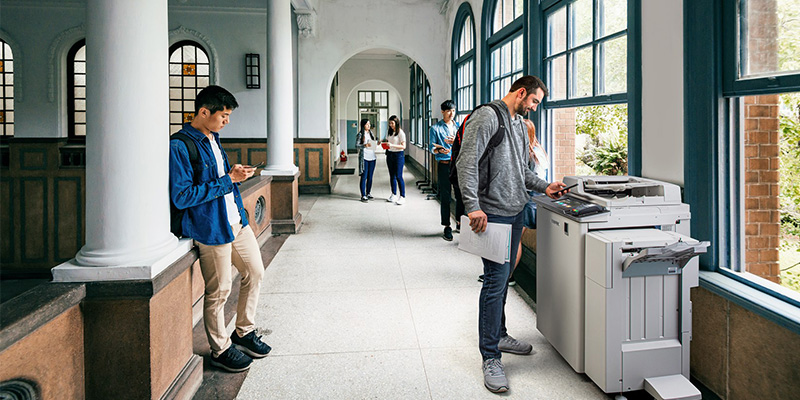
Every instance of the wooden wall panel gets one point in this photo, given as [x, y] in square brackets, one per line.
[7, 228]
[33, 202]
[68, 218]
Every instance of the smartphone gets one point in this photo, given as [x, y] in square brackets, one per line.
[567, 188]
[259, 165]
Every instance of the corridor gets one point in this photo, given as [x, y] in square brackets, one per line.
[368, 302]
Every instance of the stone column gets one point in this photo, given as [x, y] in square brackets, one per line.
[127, 150]
[280, 103]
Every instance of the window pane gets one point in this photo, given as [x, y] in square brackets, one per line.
[581, 74]
[614, 18]
[557, 31]
[495, 64]
[771, 188]
[589, 140]
[188, 54]
[505, 59]
[557, 71]
[770, 37]
[498, 16]
[614, 56]
[518, 8]
[6, 90]
[581, 22]
[516, 50]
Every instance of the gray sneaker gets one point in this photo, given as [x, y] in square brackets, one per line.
[510, 345]
[494, 376]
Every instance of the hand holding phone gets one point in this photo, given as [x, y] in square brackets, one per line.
[564, 190]
[259, 165]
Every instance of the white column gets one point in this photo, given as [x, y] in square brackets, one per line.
[127, 144]
[280, 97]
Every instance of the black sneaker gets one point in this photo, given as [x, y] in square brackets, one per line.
[480, 278]
[458, 228]
[369, 197]
[512, 281]
[448, 234]
[232, 360]
[364, 199]
[251, 344]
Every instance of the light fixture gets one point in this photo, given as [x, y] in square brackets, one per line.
[252, 65]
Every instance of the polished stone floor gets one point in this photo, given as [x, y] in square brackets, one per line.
[369, 302]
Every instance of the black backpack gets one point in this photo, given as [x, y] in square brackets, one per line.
[176, 215]
[484, 166]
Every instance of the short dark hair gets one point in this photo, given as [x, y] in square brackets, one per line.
[530, 83]
[448, 105]
[214, 98]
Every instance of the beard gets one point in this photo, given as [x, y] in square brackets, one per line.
[521, 109]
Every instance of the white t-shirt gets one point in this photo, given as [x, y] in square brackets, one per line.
[230, 204]
[540, 169]
[369, 152]
[397, 140]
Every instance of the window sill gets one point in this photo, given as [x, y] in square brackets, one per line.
[751, 299]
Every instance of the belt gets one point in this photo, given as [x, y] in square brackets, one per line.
[444, 161]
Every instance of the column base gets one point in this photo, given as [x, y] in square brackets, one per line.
[71, 271]
[284, 202]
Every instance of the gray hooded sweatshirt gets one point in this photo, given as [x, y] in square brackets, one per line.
[511, 178]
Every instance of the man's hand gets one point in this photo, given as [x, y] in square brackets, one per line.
[449, 139]
[554, 190]
[477, 221]
[240, 173]
[442, 150]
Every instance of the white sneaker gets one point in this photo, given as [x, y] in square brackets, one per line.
[400, 201]
[392, 199]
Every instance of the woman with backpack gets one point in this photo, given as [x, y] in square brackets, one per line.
[395, 160]
[365, 143]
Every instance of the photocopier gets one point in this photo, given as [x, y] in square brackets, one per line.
[614, 266]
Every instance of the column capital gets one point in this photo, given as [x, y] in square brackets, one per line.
[307, 22]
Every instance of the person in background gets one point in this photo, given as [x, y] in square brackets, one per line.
[441, 135]
[365, 143]
[396, 159]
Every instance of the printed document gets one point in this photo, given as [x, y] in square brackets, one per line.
[492, 244]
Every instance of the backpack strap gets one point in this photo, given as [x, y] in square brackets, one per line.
[484, 165]
[191, 148]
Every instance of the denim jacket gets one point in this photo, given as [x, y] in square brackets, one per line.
[438, 133]
[206, 218]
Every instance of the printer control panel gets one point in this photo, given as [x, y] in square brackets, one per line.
[577, 207]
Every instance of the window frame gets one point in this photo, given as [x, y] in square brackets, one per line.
[464, 12]
[633, 95]
[712, 134]
[3, 87]
[172, 48]
[73, 50]
[494, 41]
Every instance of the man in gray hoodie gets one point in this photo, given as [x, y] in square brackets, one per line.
[502, 201]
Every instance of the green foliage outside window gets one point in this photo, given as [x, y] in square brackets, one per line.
[790, 190]
[601, 137]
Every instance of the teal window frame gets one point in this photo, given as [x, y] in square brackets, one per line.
[464, 12]
[494, 41]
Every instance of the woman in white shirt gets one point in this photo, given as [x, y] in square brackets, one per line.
[365, 143]
[396, 159]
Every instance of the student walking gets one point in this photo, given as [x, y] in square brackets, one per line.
[365, 143]
[396, 159]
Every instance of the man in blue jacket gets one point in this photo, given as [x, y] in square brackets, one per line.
[206, 187]
[441, 139]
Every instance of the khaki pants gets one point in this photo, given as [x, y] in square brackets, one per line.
[215, 264]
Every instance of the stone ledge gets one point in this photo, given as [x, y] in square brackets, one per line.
[36, 307]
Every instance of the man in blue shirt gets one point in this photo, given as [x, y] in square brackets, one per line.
[441, 139]
[206, 187]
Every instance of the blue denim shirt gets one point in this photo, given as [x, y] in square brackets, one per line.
[203, 197]
[438, 133]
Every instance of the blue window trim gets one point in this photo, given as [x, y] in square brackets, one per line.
[492, 41]
[709, 60]
[464, 11]
[633, 96]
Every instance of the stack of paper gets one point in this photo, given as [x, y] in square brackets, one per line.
[493, 244]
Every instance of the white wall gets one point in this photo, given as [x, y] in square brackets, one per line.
[46, 30]
[345, 28]
[662, 90]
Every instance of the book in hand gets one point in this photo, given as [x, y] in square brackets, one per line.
[493, 244]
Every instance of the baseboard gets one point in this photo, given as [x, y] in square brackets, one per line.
[187, 382]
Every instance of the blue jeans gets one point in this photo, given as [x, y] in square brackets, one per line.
[492, 303]
[366, 177]
[395, 160]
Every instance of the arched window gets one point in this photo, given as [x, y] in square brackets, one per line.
[464, 62]
[189, 72]
[506, 44]
[76, 90]
[6, 89]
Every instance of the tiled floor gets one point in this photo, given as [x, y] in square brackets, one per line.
[368, 302]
